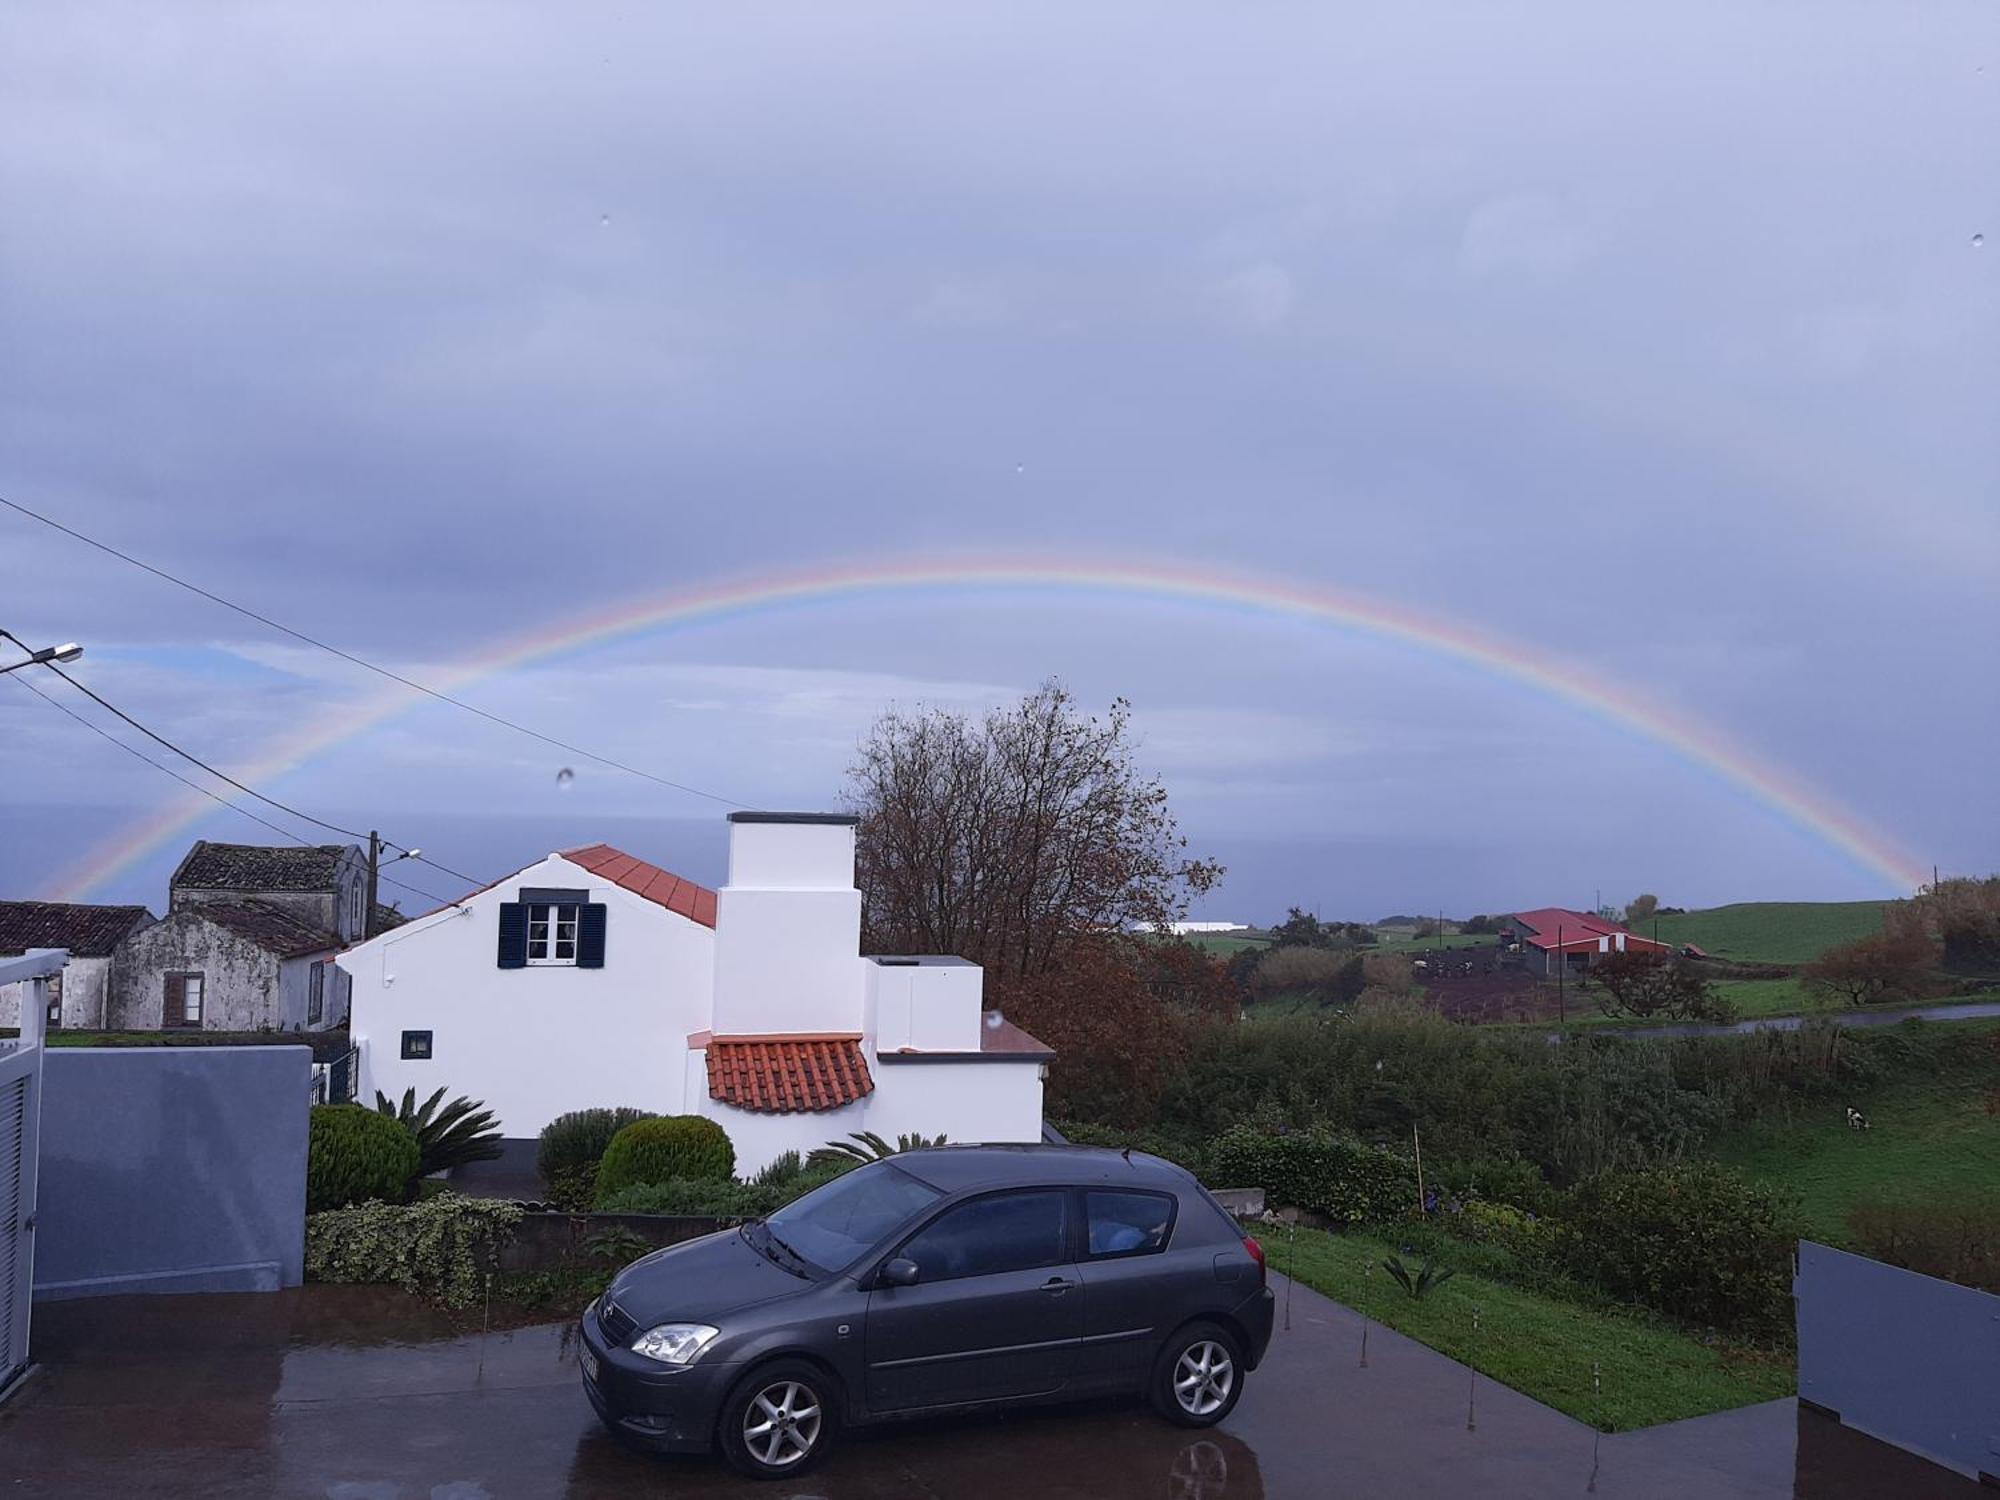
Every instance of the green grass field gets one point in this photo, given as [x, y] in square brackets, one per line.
[1927, 1138]
[1222, 944]
[1772, 932]
[1544, 1347]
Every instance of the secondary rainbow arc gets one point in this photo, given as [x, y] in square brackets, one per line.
[1701, 745]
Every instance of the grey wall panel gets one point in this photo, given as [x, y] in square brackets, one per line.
[172, 1169]
[1906, 1358]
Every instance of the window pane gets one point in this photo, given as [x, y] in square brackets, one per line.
[1008, 1232]
[191, 998]
[1127, 1223]
[565, 949]
[831, 1225]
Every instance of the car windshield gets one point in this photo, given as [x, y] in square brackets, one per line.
[832, 1225]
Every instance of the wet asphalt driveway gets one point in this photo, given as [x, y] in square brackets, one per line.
[352, 1393]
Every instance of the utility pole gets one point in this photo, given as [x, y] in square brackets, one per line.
[1562, 964]
[374, 872]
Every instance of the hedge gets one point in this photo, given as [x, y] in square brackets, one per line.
[354, 1154]
[444, 1247]
[571, 1147]
[1343, 1179]
[1696, 1242]
[664, 1150]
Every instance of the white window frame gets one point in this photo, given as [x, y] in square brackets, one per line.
[316, 993]
[557, 922]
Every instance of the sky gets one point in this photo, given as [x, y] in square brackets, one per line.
[1663, 343]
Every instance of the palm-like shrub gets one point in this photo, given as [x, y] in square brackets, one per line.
[462, 1131]
[354, 1155]
[663, 1150]
[1416, 1284]
[866, 1145]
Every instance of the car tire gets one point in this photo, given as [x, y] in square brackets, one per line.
[779, 1420]
[1198, 1377]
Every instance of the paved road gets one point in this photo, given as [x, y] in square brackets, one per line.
[346, 1393]
[1886, 1017]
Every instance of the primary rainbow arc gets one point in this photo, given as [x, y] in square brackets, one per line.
[1698, 744]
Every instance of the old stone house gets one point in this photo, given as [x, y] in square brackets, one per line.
[78, 996]
[211, 965]
[324, 886]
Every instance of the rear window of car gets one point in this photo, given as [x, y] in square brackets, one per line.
[1125, 1223]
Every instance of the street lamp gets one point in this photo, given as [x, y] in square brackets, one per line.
[68, 651]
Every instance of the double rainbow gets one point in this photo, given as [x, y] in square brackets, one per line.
[1270, 597]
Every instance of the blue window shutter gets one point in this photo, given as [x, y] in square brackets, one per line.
[590, 936]
[513, 935]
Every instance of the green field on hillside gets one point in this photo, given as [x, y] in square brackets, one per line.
[1771, 932]
[1928, 1139]
[1223, 944]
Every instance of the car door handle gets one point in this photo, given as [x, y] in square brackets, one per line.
[1055, 1286]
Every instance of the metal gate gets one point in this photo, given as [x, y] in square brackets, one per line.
[20, 1118]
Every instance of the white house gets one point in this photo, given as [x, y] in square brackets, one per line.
[593, 978]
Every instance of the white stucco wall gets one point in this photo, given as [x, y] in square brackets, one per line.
[535, 1042]
[83, 985]
[971, 1102]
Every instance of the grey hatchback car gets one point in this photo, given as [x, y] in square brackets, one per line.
[940, 1279]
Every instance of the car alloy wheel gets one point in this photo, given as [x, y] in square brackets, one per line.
[782, 1424]
[1204, 1376]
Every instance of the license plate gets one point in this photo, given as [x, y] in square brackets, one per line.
[589, 1363]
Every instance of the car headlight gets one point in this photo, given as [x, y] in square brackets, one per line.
[674, 1343]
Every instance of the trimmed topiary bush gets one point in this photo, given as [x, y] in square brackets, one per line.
[571, 1147]
[664, 1149]
[1346, 1180]
[354, 1155]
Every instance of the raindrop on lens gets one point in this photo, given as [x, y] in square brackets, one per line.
[993, 1020]
[1978, 240]
[604, 221]
[565, 778]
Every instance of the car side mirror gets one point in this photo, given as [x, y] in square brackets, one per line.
[901, 1271]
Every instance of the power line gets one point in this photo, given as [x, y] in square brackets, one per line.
[196, 786]
[153, 734]
[363, 662]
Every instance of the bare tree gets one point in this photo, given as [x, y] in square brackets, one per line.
[1868, 971]
[1646, 984]
[998, 839]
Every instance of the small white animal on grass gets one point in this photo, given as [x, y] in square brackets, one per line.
[1855, 1119]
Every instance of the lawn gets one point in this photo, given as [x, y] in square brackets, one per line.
[1927, 1139]
[1612, 1369]
[1403, 943]
[1754, 998]
[1223, 944]
[1771, 932]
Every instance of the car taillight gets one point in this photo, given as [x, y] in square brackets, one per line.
[1257, 1254]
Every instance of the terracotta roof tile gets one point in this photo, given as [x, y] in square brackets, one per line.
[786, 1074]
[676, 893]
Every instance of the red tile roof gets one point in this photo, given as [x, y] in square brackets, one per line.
[662, 887]
[783, 1074]
[1576, 928]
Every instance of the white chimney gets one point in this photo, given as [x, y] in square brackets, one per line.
[788, 927]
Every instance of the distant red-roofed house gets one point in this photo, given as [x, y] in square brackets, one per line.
[595, 978]
[1551, 936]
